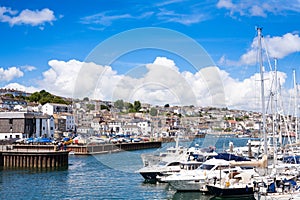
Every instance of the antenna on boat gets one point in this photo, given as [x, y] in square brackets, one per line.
[259, 32]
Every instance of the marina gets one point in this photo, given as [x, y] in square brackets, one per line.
[149, 113]
[101, 176]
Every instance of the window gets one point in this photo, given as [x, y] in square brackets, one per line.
[10, 121]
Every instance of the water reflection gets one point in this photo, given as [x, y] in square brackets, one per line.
[191, 196]
[202, 196]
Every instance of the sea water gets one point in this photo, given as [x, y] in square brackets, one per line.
[103, 176]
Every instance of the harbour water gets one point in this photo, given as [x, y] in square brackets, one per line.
[104, 176]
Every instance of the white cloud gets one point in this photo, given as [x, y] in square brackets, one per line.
[245, 94]
[280, 47]
[258, 8]
[26, 17]
[186, 19]
[225, 4]
[28, 68]
[61, 76]
[162, 83]
[10, 73]
[276, 47]
[104, 18]
[20, 87]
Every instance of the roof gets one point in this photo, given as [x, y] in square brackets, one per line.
[58, 104]
[22, 115]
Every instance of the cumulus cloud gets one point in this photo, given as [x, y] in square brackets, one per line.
[10, 73]
[245, 94]
[26, 17]
[61, 76]
[17, 86]
[161, 83]
[275, 47]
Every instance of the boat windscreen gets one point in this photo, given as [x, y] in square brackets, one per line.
[206, 167]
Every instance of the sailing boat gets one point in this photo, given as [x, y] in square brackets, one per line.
[275, 185]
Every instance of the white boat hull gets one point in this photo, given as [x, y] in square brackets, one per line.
[276, 196]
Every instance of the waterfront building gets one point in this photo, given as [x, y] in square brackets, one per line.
[96, 125]
[131, 129]
[145, 127]
[25, 124]
[115, 126]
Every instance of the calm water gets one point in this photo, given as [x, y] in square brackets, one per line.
[107, 176]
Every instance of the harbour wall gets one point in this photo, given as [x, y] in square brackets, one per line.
[34, 159]
[49, 157]
[108, 148]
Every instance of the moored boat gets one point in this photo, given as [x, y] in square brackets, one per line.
[237, 184]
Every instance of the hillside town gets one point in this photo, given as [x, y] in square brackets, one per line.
[20, 118]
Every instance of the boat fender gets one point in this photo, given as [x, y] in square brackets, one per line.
[227, 184]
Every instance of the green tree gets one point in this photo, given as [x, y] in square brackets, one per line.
[90, 106]
[153, 111]
[119, 104]
[102, 107]
[59, 100]
[137, 106]
[128, 105]
[44, 97]
[34, 97]
[45, 100]
[9, 96]
[167, 105]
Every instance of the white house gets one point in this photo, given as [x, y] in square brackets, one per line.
[115, 126]
[144, 125]
[54, 108]
[130, 129]
[70, 121]
[44, 126]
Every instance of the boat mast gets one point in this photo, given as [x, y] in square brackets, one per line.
[275, 121]
[295, 106]
[262, 90]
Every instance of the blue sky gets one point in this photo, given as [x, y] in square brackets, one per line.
[44, 41]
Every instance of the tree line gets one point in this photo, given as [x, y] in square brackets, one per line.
[44, 97]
